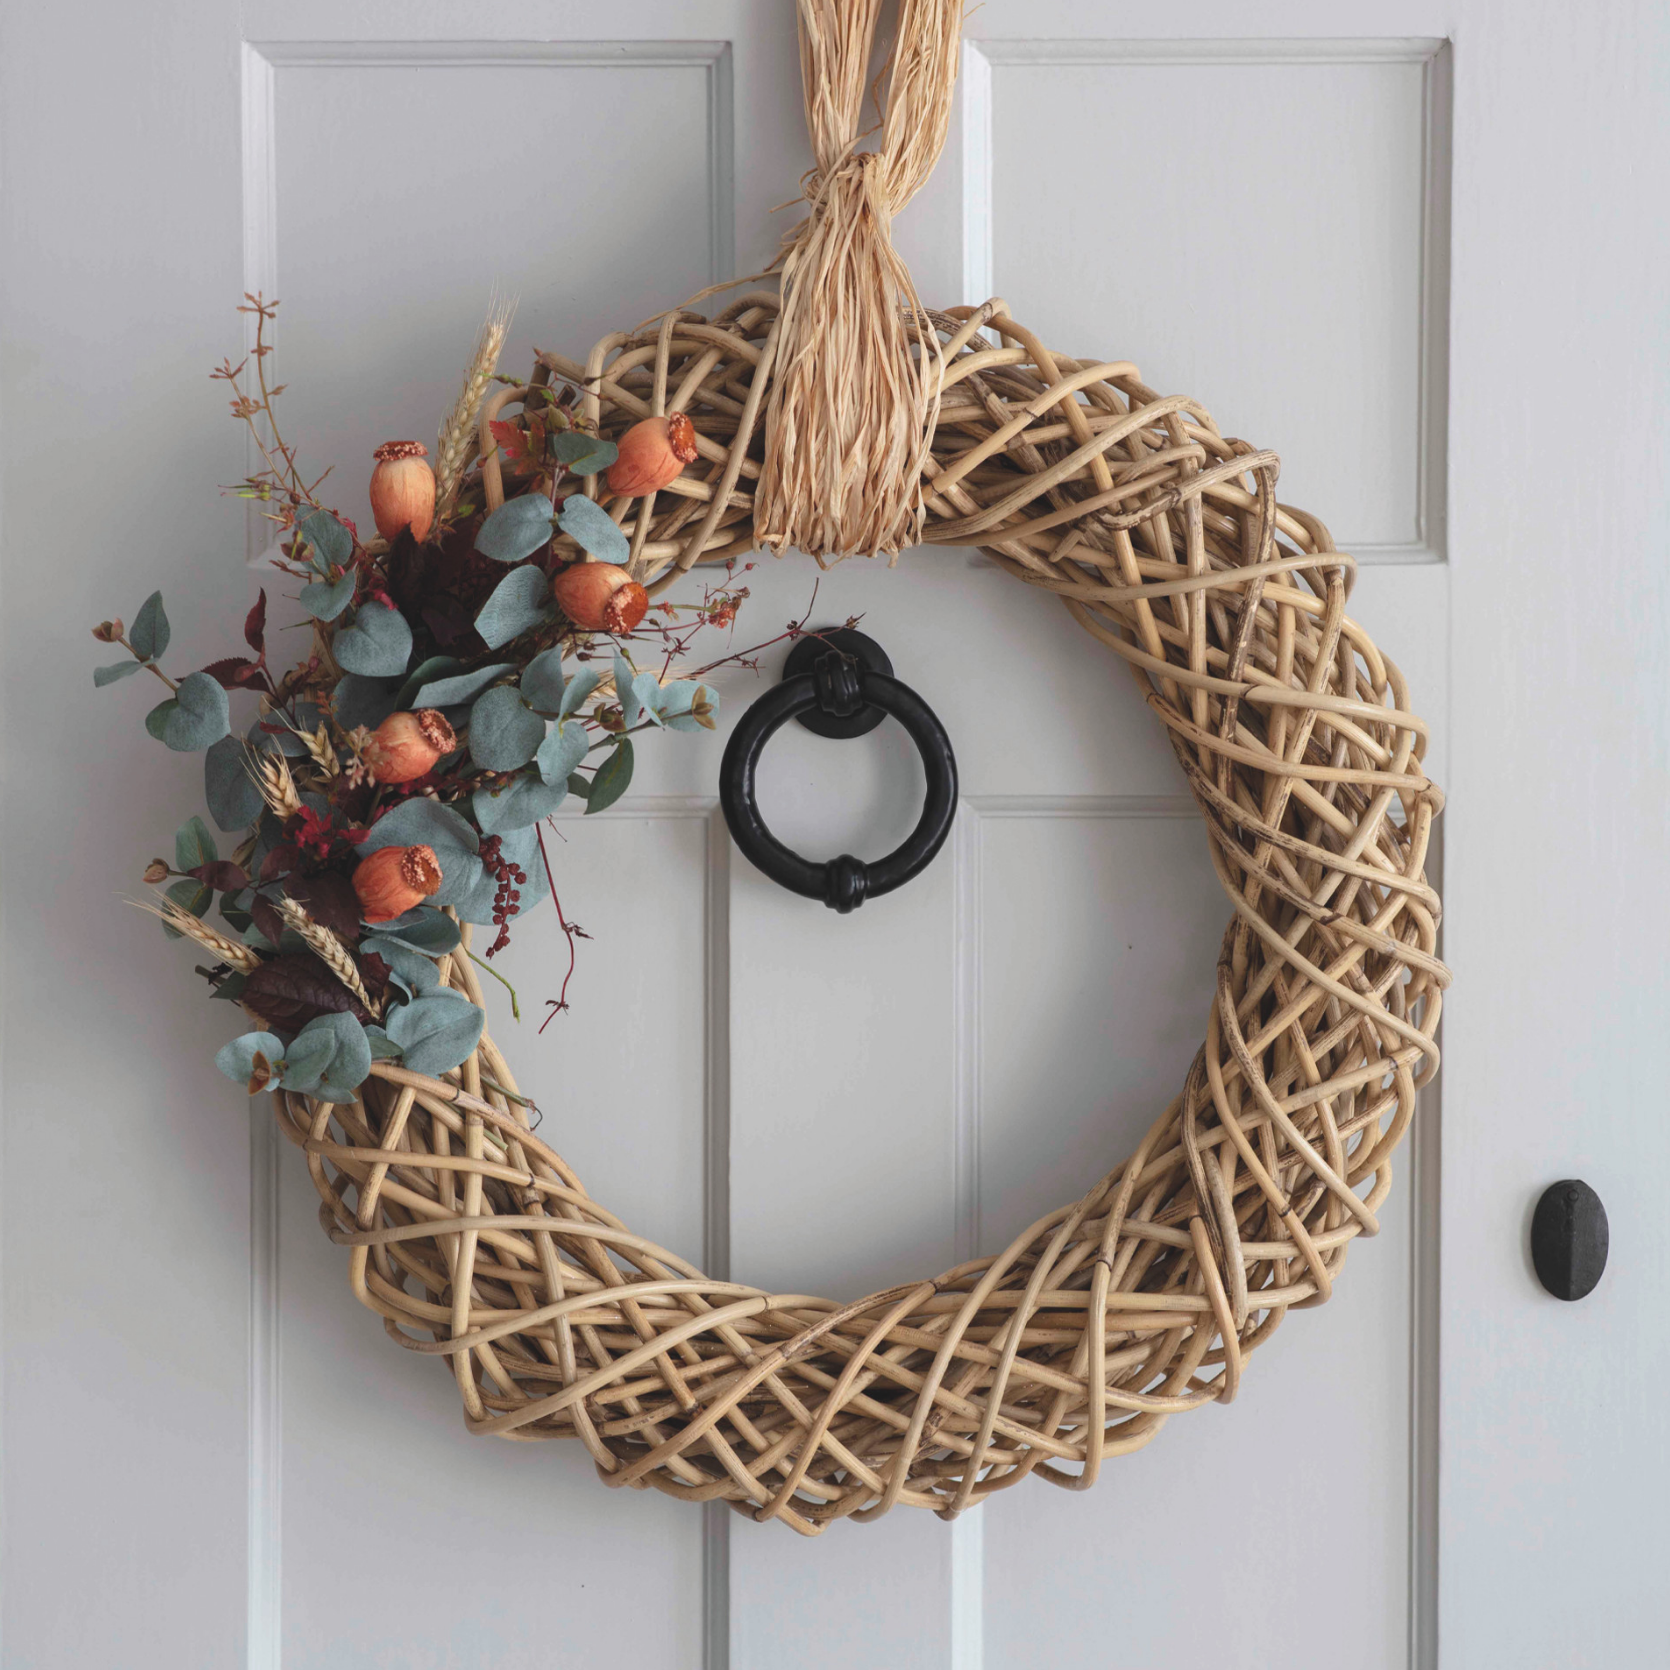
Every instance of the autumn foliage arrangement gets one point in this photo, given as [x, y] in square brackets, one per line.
[467, 672]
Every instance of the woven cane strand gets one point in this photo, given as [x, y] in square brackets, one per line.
[478, 1245]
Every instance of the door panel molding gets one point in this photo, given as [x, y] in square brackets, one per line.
[981, 58]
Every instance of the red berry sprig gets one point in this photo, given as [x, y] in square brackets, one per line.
[507, 895]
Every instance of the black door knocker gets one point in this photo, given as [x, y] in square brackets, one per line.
[838, 683]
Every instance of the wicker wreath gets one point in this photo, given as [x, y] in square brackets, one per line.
[477, 1244]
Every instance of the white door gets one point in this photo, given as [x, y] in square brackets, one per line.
[1418, 247]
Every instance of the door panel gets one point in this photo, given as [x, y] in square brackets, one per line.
[830, 1104]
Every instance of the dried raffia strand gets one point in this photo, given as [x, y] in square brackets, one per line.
[329, 949]
[271, 772]
[455, 442]
[851, 408]
[241, 957]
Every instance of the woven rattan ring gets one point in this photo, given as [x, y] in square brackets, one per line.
[1141, 1300]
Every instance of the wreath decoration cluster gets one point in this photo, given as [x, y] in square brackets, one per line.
[394, 782]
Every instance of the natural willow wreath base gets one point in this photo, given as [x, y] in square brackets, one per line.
[478, 1245]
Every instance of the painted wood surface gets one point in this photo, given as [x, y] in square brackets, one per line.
[1393, 239]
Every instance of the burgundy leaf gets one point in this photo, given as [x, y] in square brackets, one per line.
[222, 876]
[280, 861]
[287, 992]
[329, 898]
[229, 674]
[255, 626]
[267, 918]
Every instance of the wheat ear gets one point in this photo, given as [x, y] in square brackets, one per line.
[329, 949]
[241, 957]
[278, 788]
[457, 437]
[318, 744]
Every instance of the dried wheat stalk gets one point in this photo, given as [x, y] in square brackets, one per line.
[271, 772]
[241, 957]
[318, 745]
[329, 949]
[456, 440]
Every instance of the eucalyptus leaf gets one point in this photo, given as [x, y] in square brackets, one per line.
[521, 848]
[677, 701]
[542, 681]
[156, 721]
[593, 529]
[328, 1058]
[199, 714]
[504, 732]
[326, 599]
[150, 633]
[419, 822]
[437, 1032]
[377, 645]
[449, 692]
[583, 454]
[382, 1047]
[281, 736]
[517, 529]
[194, 845]
[190, 895]
[332, 544]
[362, 701]
[416, 972]
[612, 778]
[233, 799]
[115, 672]
[631, 707]
[519, 601]
[307, 1059]
[237, 1059]
[646, 692]
[519, 805]
[579, 787]
[425, 822]
[578, 690]
[565, 746]
[423, 929]
[425, 672]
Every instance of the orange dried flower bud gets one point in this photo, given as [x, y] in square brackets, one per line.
[395, 879]
[402, 489]
[407, 745]
[157, 870]
[109, 631]
[600, 597]
[652, 452]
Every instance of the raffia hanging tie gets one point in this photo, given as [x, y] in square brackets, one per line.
[852, 406]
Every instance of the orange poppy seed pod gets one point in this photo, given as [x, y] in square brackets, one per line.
[600, 597]
[653, 452]
[403, 489]
[395, 879]
[407, 745]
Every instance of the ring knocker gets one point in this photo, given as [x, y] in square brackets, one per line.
[840, 684]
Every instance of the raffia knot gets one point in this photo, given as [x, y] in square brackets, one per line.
[855, 389]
